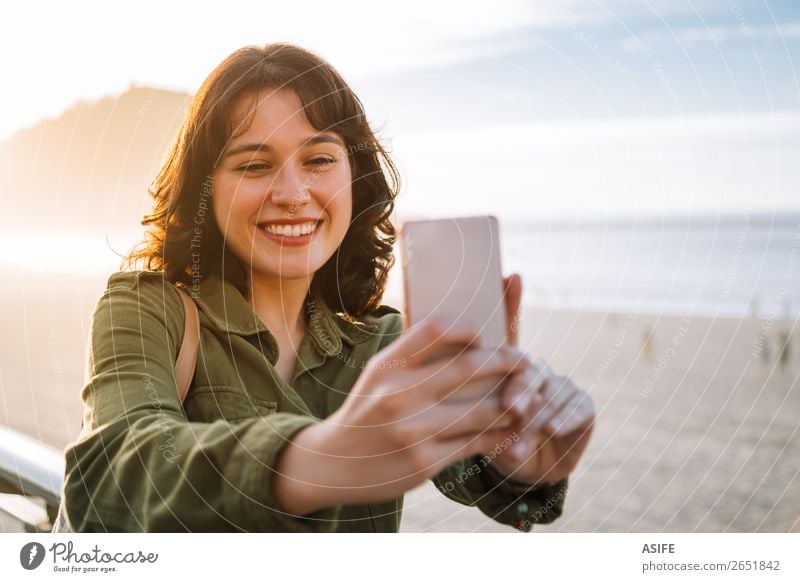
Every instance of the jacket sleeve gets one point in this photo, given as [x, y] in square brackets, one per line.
[139, 464]
[473, 481]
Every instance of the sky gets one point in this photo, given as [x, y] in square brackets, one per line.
[524, 109]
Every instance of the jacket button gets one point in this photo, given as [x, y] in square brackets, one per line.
[521, 514]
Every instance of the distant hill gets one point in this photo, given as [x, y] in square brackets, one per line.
[87, 171]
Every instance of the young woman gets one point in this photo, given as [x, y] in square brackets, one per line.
[311, 408]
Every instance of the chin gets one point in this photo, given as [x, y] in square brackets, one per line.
[288, 272]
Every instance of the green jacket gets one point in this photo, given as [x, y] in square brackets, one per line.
[150, 465]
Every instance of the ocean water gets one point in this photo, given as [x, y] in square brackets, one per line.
[738, 265]
[723, 265]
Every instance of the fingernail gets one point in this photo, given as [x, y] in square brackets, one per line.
[520, 447]
[521, 403]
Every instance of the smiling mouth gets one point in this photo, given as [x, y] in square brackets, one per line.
[291, 230]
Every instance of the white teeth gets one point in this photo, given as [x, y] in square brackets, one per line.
[291, 230]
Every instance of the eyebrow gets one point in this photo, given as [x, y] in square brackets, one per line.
[264, 147]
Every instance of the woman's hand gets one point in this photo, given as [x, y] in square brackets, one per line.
[397, 427]
[554, 417]
[555, 423]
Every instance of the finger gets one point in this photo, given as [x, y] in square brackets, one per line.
[520, 390]
[435, 335]
[533, 401]
[448, 420]
[512, 292]
[465, 446]
[577, 413]
[556, 392]
[572, 412]
[526, 423]
[443, 377]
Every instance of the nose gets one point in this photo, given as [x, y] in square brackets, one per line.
[290, 187]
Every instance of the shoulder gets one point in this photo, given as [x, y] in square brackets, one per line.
[141, 298]
[384, 317]
[146, 286]
[387, 322]
[134, 279]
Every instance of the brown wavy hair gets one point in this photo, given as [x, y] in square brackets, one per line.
[353, 280]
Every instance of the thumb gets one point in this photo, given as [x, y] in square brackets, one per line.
[512, 294]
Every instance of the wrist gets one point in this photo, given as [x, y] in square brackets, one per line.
[301, 474]
[500, 475]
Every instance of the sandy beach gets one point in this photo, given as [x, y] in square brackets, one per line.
[698, 425]
[697, 428]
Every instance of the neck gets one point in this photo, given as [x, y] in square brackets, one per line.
[279, 303]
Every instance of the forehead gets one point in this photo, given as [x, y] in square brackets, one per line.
[269, 112]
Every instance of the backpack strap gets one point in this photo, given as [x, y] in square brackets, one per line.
[187, 356]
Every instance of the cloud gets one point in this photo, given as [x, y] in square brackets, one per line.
[692, 35]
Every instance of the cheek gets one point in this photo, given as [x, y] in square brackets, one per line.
[225, 205]
[339, 187]
[340, 207]
[228, 202]
[219, 206]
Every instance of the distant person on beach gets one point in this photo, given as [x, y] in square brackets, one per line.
[765, 352]
[647, 343]
[312, 407]
[785, 349]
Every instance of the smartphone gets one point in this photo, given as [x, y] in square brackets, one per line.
[452, 266]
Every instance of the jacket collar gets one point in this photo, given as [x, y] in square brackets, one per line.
[228, 311]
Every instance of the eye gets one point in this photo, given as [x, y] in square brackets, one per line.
[322, 162]
[252, 167]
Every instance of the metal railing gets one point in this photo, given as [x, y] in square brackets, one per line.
[31, 475]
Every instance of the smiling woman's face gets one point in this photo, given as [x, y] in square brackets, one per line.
[282, 192]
